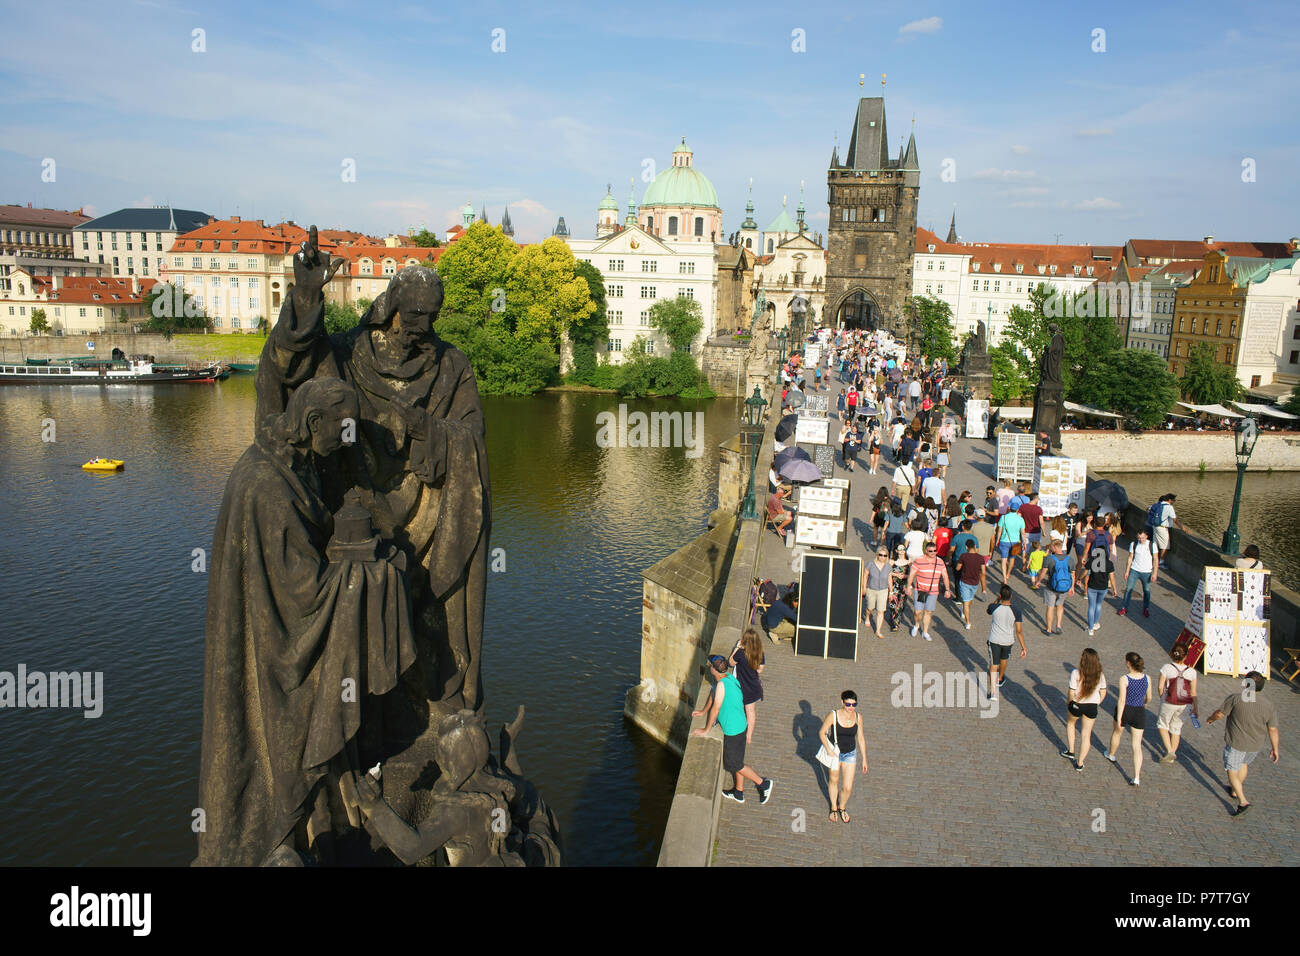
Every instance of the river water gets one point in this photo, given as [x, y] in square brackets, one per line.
[96, 576]
[1269, 516]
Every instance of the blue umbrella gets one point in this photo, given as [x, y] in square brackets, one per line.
[785, 427]
[797, 469]
[793, 452]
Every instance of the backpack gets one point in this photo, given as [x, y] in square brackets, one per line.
[767, 591]
[1179, 690]
[1155, 515]
[1061, 579]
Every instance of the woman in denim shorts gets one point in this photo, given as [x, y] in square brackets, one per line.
[844, 727]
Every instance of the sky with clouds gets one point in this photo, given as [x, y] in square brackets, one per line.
[1028, 119]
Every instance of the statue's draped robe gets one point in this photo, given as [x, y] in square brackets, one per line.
[285, 629]
[428, 492]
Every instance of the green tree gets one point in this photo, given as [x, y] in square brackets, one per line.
[1009, 380]
[122, 317]
[545, 297]
[1292, 404]
[1208, 381]
[1089, 339]
[1134, 382]
[595, 327]
[340, 317]
[38, 324]
[933, 319]
[162, 314]
[473, 272]
[679, 319]
[424, 238]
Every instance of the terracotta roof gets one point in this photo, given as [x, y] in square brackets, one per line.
[377, 253]
[87, 290]
[925, 238]
[27, 216]
[986, 257]
[253, 235]
[1197, 248]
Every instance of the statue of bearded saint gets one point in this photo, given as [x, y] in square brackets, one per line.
[420, 467]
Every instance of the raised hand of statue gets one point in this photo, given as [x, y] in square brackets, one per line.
[312, 270]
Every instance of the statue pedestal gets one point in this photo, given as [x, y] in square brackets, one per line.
[1049, 406]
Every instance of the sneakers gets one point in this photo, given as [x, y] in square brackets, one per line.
[1067, 754]
[968, 625]
[1002, 680]
[1092, 631]
[765, 791]
[915, 628]
[1111, 757]
[926, 635]
[1135, 782]
[1146, 612]
[734, 794]
[1078, 767]
[1122, 611]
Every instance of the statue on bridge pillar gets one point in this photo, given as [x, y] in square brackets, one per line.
[1049, 397]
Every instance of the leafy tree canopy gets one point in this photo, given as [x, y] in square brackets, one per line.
[679, 319]
[1133, 382]
[934, 327]
[1208, 381]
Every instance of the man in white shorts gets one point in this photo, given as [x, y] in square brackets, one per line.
[1168, 517]
[1177, 691]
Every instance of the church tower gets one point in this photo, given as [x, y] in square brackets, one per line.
[872, 232]
[607, 214]
[952, 227]
[750, 238]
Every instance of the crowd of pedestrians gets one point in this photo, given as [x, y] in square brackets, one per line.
[933, 549]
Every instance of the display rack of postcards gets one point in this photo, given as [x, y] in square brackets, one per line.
[1060, 481]
[1016, 456]
[1235, 621]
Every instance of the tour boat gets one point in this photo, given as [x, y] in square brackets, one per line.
[104, 464]
[138, 370]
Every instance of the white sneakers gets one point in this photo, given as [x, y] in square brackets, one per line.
[915, 628]
[926, 635]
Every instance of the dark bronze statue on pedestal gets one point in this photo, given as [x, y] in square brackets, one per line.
[1049, 397]
[345, 605]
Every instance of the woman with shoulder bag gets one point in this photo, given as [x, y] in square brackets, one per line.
[843, 746]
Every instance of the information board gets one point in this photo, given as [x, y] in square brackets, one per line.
[812, 430]
[822, 502]
[815, 403]
[824, 459]
[812, 355]
[977, 418]
[1060, 481]
[830, 604]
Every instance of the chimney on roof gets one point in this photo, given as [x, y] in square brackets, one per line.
[1208, 240]
[234, 219]
[211, 220]
[56, 283]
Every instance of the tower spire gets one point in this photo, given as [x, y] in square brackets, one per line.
[952, 226]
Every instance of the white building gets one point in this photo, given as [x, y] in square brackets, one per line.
[938, 271]
[134, 241]
[1270, 335]
[641, 269]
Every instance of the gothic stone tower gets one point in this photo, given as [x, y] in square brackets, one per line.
[872, 232]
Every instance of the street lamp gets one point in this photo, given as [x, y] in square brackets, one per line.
[780, 344]
[1245, 436]
[751, 419]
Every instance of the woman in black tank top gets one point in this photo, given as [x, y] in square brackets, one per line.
[843, 729]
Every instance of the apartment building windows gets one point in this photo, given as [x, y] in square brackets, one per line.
[615, 265]
[686, 294]
[616, 345]
[645, 317]
[251, 264]
[616, 316]
[686, 268]
[649, 265]
[649, 292]
[614, 291]
[214, 264]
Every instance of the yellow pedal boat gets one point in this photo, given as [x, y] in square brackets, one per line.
[103, 464]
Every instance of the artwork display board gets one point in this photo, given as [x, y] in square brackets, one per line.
[1060, 481]
[830, 604]
[1235, 610]
[1015, 456]
[977, 418]
[812, 354]
[824, 459]
[815, 404]
[823, 502]
[812, 430]
[817, 532]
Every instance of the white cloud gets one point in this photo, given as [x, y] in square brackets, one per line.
[1005, 175]
[1019, 150]
[1096, 131]
[927, 25]
[1099, 203]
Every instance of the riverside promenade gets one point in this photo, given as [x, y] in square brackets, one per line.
[954, 785]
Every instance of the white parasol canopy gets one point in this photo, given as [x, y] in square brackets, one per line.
[1264, 410]
[1213, 410]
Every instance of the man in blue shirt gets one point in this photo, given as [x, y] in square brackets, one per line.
[780, 618]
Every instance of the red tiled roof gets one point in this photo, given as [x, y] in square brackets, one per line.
[1187, 249]
[253, 235]
[925, 238]
[87, 290]
[26, 216]
[402, 255]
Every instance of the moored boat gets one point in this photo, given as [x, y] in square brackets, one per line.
[104, 464]
[138, 370]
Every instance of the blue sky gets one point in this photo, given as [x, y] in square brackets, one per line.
[1046, 137]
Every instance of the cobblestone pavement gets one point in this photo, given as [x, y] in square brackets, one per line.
[949, 785]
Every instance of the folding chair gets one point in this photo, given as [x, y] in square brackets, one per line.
[1293, 663]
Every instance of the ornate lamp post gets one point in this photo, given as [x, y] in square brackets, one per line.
[1245, 436]
[780, 344]
[751, 420]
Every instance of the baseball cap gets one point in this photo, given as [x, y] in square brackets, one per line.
[1015, 506]
[719, 662]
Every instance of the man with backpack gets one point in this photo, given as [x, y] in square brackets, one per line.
[1160, 516]
[1060, 585]
[1177, 690]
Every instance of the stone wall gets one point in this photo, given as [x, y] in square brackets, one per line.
[1119, 451]
[680, 599]
[181, 348]
[724, 366]
[733, 476]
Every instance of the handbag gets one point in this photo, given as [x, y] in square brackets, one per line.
[830, 757]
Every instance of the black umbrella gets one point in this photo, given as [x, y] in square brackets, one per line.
[785, 427]
[794, 452]
[1107, 496]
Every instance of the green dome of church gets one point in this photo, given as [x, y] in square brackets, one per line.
[681, 184]
[609, 202]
